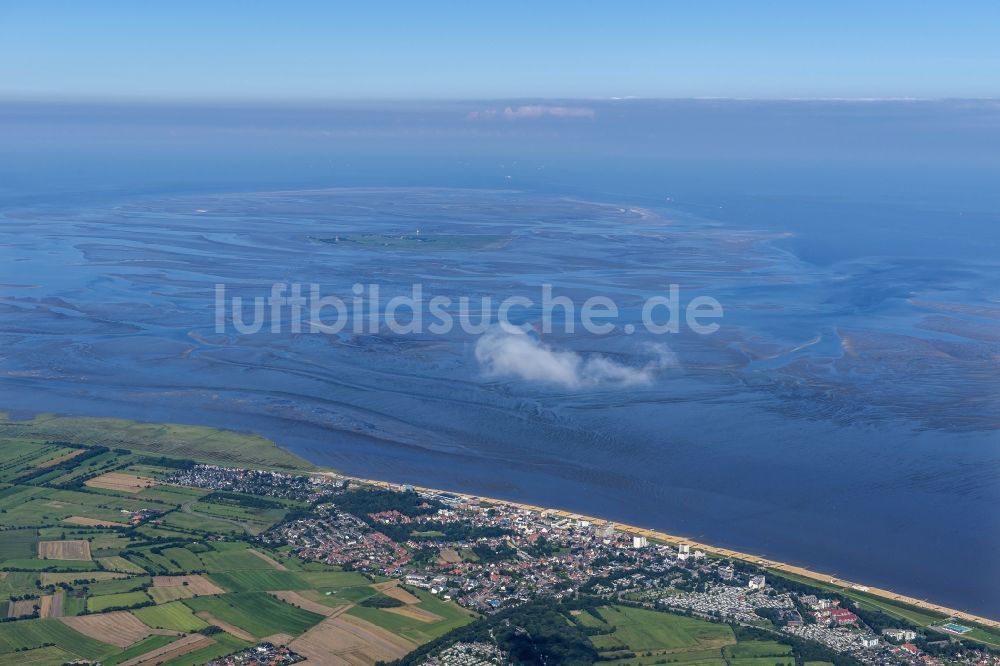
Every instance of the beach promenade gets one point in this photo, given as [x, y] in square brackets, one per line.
[826, 579]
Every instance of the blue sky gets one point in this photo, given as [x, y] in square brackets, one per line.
[462, 50]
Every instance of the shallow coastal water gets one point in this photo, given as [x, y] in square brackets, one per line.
[845, 417]
[836, 420]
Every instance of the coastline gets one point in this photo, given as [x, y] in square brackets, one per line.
[673, 539]
[216, 446]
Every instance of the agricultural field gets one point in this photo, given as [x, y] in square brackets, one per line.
[643, 637]
[173, 615]
[202, 524]
[30, 634]
[143, 647]
[687, 640]
[115, 585]
[67, 522]
[162, 595]
[179, 441]
[120, 600]
[218, 645]
[257, 613]
[418, 622]
[117, 563]
[253, 520]
[49, 578]
[350, 640]
[76, 549]
[270, 579]
[119, 628]
[759, 653]
[226, 557]
[18, 544]
[121, 481]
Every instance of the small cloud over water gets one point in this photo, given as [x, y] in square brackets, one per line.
[503, 352]
[533, 111]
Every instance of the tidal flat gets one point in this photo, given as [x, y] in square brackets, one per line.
[844, 416]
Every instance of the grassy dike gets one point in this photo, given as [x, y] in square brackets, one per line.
[200, 443]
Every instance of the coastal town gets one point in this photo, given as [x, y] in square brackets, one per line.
[125, 556]
[488, 556]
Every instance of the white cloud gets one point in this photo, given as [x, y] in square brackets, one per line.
[511, 353]
[533, 111]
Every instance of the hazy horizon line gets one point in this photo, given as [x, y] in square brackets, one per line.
[17, 98]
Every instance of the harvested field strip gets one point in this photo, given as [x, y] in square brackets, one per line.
[128, 483]
[199, 585]
[119, 564]
[392, 589]
[226, 626]
[64, 550]
[58, 459]
[418, 614]
[350, 641]
[278, 639]
[23, 608]
[50, 578]
[296, 599]
[267, 558]
[162, 595]
[171, 651]
[55, 608]
[92, 522]
[120, 628]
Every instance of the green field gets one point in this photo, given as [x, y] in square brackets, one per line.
[247, 581]
[759, 653]
[16, 583]
[254, 520]
[57, 565]
[224, 644]
[46, 656]
[74, 605]
[452, 616]
[340, 595]
[751, 649]
[189, 442]
[271, 579]
[125, 599]
[116, 586]
[27, 634]
[142, 647]
[18, 544]
[116, 563]
[173, 494]
[14, 495]
[231, 556]
[640, 630]
[174, 615]
[162, 595]
[256, 612]
[183, 559]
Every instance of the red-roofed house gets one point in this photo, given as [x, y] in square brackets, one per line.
[843, 616]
